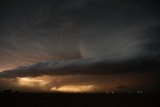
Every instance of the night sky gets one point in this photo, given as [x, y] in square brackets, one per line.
[80, 45]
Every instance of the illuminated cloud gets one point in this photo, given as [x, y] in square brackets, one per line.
[74, 88]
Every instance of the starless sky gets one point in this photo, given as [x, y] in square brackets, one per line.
[80, 45]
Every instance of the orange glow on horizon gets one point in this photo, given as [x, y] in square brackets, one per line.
[74, 88]
[31, 82]
[79, 83]
[40, 83]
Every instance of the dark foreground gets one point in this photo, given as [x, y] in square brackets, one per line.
[78, 100]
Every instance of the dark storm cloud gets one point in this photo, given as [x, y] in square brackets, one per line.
[95, 37]
[85, 66]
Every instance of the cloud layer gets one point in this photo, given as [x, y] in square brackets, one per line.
[85, 66]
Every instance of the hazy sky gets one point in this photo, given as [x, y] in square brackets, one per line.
[93, 45]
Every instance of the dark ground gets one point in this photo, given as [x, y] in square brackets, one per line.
[79, 100]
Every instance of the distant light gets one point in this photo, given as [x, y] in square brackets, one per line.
[130, 92]
[139, 92]
[112, 92]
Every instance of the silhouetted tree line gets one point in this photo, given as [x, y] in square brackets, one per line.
[9, 91]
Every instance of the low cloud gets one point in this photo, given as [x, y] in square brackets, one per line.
[100, 66]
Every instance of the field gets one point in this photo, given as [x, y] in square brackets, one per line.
[79, 100]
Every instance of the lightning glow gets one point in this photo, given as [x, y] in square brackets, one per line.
[31, 82]
[74, 88]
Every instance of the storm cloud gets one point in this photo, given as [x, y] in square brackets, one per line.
[79, 37]
[85, 66]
